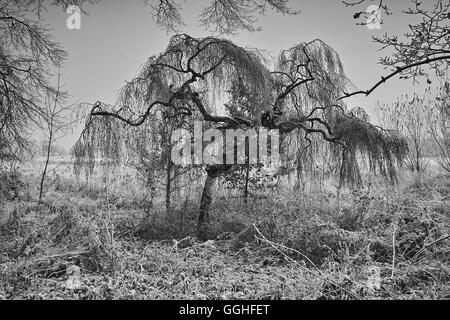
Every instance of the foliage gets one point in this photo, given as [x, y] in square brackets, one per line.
[62, 249]
[12, 184]
[411, 117]
[224, 16]
[319, 97]
[440, 131]
[29, 55]
[193, 77]
[427, 41]
[384, 150]
[423, 50]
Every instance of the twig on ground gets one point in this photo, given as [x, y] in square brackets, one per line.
[319, 273]
[393, 249]
[62, 255]
[425, 247]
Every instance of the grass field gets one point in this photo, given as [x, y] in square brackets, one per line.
[93, 240]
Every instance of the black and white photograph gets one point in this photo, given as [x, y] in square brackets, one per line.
[223, 155]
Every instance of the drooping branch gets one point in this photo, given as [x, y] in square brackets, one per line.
[398, 70]
[426, 45]
[301, 94]
[167, 14]
[182, 61]
[229, 16]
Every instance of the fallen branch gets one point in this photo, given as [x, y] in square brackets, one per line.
[425, 247]
[62, 255]
[393, 250]
[319, 273]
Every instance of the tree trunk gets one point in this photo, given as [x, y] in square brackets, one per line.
[300, 183]
[213, 172]
[418, 153]
[151, 188]
[247, 176]
[151, 192]
[41, 187]
[168, 185]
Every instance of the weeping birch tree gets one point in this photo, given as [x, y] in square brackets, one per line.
[191, 80]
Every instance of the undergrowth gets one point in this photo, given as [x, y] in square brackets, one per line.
[81, 243]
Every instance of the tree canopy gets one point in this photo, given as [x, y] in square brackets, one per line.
[192, 78]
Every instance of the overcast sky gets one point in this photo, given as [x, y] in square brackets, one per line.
[118, 36]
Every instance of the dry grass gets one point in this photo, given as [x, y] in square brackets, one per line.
[81, 244]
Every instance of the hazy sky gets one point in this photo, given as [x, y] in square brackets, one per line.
[118, 36]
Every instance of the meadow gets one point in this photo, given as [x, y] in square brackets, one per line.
[96, 239]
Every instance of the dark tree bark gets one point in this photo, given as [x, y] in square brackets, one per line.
[152, 190]
[247, 177]
[213, 173]
[168, 184]
[47, 159]
[300, 183]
